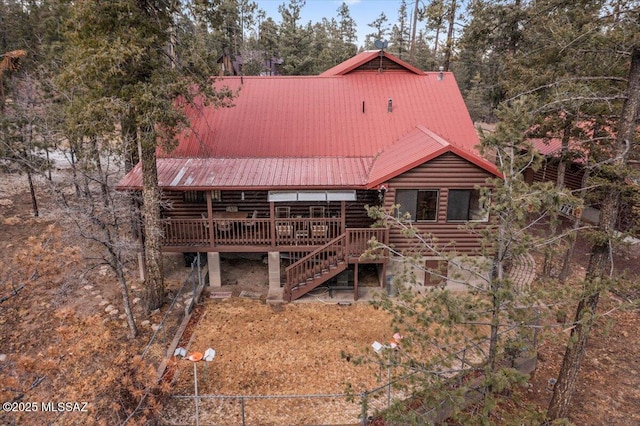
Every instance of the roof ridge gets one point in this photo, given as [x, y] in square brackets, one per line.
[435, 136]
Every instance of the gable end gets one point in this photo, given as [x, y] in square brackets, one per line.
[375, 65]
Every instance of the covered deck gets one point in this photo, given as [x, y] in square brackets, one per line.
[259, 221]
[235, 233]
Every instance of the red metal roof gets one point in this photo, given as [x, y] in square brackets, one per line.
[419, 146]
[322, 116]
[256, 173]
[323, 131]
[553, 148]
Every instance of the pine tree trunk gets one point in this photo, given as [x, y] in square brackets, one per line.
[598, 270]
[133, 330]
[550, 253]
[449, 47]
[154, 280]
[412, 48]
[131, 158]
[585, 317]
[32, 191]
[566, 261]
[74, 166]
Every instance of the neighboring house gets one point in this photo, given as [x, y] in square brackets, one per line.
[551, 150]
[289, 169]
[578, 158]
[235, 64]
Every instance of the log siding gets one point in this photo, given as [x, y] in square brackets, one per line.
[443, 173]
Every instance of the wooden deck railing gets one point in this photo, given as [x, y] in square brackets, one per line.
[359, 241]
[266, 232]
[186, 232]
[306, 231]
[242, 232]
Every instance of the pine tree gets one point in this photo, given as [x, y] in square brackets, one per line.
[490, 322]
[119, 68]
[399, 43]
[381, 27]
[611, 180]
[347, 34]
[434, 14]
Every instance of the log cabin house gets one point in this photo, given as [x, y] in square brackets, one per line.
[287, 171]
[578, 161]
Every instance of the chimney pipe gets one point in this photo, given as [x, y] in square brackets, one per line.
[390, 105]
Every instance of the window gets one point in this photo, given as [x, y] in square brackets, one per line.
[465, 205]
[435, 273]
[194, 197]
[421, 204]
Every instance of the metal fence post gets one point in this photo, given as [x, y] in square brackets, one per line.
[364, 408]
[199, 271]
[242, 410]
[164, 333]
[195, 388]
[389, 385]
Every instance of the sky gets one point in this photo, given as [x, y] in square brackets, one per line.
[362, 11]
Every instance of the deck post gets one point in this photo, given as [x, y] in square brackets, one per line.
[141, 265]
[356, 266]
[215, 272]
[383, 274]
[272, 215]
[274, 272]
[210, 219]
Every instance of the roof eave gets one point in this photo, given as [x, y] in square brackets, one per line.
[480, 162]
[375, 183]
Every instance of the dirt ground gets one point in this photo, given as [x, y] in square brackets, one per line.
[608, 387]
[293, 349]
[60, 320]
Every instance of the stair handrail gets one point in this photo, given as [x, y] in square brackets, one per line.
[316, 251]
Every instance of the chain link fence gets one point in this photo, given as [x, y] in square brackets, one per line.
[157, 350]
[338, 409]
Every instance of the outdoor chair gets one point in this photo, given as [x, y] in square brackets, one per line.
[252, 224]
[319, 231]
[284, 231]
[223, 226]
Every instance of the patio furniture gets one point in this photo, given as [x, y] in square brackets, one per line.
[319, 231]
[225, 220]
[251, 224]
[284, 231]
[223, 226]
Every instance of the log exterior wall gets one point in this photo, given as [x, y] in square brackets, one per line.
[548, 172]
[356, 216]
[443, 173]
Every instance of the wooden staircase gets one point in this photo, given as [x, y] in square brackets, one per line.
[328, 260]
